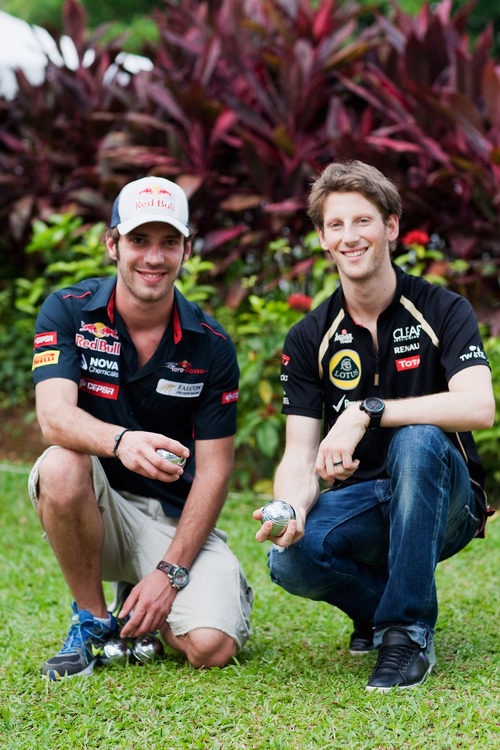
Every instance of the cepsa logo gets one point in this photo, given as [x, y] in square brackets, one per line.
[96, 388]
[230, 397]
[49, 338]
[50, 357]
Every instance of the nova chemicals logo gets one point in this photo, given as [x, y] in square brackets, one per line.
[345, 369]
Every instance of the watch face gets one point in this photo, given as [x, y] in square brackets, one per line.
[180, 578]
[374, 405]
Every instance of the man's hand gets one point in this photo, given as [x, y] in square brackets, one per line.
[151, 600]
[335, 454]
[293, 531]
[137, 451]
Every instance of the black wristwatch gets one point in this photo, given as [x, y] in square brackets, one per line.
[374, 407]
[178, 576]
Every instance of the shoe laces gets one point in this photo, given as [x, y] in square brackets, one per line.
[81, 631]
[395, 656]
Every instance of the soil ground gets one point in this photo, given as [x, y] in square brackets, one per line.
[20, 438]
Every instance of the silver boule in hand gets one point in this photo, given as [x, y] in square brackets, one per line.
[279, 513]
[172, 457]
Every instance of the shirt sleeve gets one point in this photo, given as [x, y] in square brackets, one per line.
[461, 344]
[302, 387]
[215, 415]
[54, 351]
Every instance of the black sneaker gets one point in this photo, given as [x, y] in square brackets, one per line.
[361, 641]
[401, 663]
[82, 647]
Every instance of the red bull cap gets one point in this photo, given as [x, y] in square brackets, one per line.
[150, 199]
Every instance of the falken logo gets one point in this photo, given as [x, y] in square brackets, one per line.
[44, 339]
[96, 388]
[343, 337]
[474, 353]
[184, 366]
[406, 333]
[180, 390]
[408, 364]
[345, 369]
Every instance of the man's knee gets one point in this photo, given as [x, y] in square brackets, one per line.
[208, 647]
[64, 475]
[416, 443]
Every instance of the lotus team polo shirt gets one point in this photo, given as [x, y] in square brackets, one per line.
[425, 336]
[188, 389]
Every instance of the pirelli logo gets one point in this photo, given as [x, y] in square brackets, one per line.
[97, 388]
[50, 357]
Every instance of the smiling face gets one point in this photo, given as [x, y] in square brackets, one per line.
[356, 236]
[148, 260]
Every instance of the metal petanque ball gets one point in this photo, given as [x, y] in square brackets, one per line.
[173, 457]
[147, 648]
[115, 651]
[279, 513]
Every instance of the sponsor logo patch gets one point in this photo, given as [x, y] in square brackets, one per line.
[104, 390]
[410, 363]
[45, 339]
[285, 359]
[343, 337]
[180, 390]
[474, 352]
[406, 333]
[229, 397]
[97, 345]
[50, 357]
[101, 330]
[345, 369]
[184, 366]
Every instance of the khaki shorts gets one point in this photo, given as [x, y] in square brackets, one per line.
[136, 536]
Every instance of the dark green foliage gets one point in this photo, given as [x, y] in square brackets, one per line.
[245, 103]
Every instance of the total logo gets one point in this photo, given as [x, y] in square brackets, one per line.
[345, 369]
[410, 363]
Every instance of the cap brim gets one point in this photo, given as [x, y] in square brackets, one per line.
[126, 226]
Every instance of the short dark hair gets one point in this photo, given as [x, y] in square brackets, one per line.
[353, 177]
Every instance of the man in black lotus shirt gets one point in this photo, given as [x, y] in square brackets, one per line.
[395, 370]
[124, 367]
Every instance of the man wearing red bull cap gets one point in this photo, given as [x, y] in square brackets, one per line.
[125, 367]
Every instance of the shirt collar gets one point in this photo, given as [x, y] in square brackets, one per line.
[184, 317]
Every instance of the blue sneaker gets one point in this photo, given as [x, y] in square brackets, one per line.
[82, 647]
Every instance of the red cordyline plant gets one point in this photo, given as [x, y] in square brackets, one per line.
[245, 104]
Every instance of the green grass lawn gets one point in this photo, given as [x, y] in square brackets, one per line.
[294, 686]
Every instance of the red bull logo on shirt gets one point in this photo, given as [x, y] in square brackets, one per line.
[101, 330]
[97, 345]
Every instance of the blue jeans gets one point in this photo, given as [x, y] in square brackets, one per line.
[371, 549]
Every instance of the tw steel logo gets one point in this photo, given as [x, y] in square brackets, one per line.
[411, 363]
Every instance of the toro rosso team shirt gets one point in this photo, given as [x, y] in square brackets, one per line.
[425, 336]
[188, 389]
